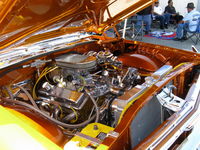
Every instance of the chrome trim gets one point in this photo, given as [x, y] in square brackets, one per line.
[191, 99]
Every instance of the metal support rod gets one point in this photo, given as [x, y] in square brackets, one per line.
[162, 114]
[124, 30]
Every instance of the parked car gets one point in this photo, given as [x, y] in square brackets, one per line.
[64, 84]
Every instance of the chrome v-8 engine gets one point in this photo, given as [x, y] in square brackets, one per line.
[80, 80]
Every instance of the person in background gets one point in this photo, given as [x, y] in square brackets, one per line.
[170, 12]
[144, 16]
[158, 14]
[189, 22]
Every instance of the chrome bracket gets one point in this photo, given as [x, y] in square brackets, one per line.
[89, 138]
[113, 134]
[169, 100]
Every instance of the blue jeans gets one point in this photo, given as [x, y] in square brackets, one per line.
[161, 19]
[147, 21]
[167, 18]
[182, 30]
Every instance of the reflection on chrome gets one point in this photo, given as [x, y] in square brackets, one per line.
[15, 55]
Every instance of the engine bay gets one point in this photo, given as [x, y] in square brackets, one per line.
[80, 88]
[70, 80]
[84, 92]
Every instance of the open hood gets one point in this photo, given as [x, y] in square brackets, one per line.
[21, 19]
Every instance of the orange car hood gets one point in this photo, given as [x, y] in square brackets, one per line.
[21, 19]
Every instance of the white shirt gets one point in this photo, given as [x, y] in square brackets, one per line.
[158, 10]
[192, 18]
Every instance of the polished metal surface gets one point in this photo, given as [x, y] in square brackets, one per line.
[169, 100]
[89, 138]
[162, 71]
[119, 103]
[76, 61]
[22, 19]
[191, 99]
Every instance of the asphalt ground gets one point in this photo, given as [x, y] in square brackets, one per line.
[183, 45]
